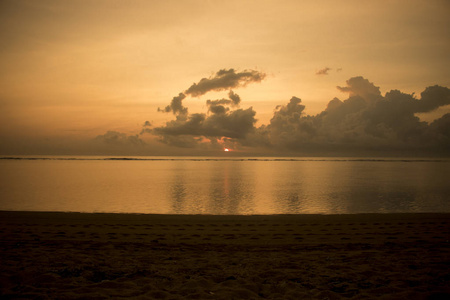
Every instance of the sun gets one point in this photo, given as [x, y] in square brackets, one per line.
[226, 149]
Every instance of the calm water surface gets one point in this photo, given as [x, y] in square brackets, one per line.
[221, 186]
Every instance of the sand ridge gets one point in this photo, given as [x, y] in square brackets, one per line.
[103, 256]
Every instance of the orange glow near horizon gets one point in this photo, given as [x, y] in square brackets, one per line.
[71, 73]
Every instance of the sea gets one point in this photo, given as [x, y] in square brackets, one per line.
[224, 186]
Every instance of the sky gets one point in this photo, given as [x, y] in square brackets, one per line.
[264, 77]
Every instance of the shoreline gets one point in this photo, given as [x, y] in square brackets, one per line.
[64, 255]
[19, 212]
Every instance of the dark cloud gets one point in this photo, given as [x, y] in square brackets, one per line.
[289, 126]
[176, 105]
[432, 98]
[223, 124]
[234, 97]
[235, 124]
[183, 126]
[183, 141]
[219, 106]
[359, 86]
[441, 131]
[146, 128]
[115, 138]
[365, 122]
[224, 80]
[323, 71]
[187, 132]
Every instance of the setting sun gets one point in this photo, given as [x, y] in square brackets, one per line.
[226, 149]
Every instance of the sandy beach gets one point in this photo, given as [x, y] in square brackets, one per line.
[113, 256]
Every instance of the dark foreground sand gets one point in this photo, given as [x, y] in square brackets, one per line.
[113, 256]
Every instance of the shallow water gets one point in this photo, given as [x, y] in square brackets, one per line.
[171, 185]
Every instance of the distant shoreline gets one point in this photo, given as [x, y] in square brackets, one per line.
[224, 158]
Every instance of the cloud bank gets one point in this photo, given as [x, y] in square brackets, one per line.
[222, 123]
[365, 121]
[115, 138]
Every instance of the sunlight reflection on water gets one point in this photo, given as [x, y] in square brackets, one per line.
[224, 186]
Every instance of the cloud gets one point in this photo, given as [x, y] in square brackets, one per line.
[225, 121]
[365, 122]
[289, 126]
[115, 138]
[323, 71]
[221, 124]
[218, 106]
[146, 128]
[196, 128]
[441, 131]
[224, 80]
[432, 98]
[234, 97]
[359, 86]
[176, 105]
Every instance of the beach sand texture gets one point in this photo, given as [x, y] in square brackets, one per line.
[114, 256]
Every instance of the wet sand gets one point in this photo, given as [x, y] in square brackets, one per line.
[111, 256]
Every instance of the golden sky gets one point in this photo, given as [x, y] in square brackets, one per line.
[72, 71]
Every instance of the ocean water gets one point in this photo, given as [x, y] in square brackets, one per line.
[199, 185]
